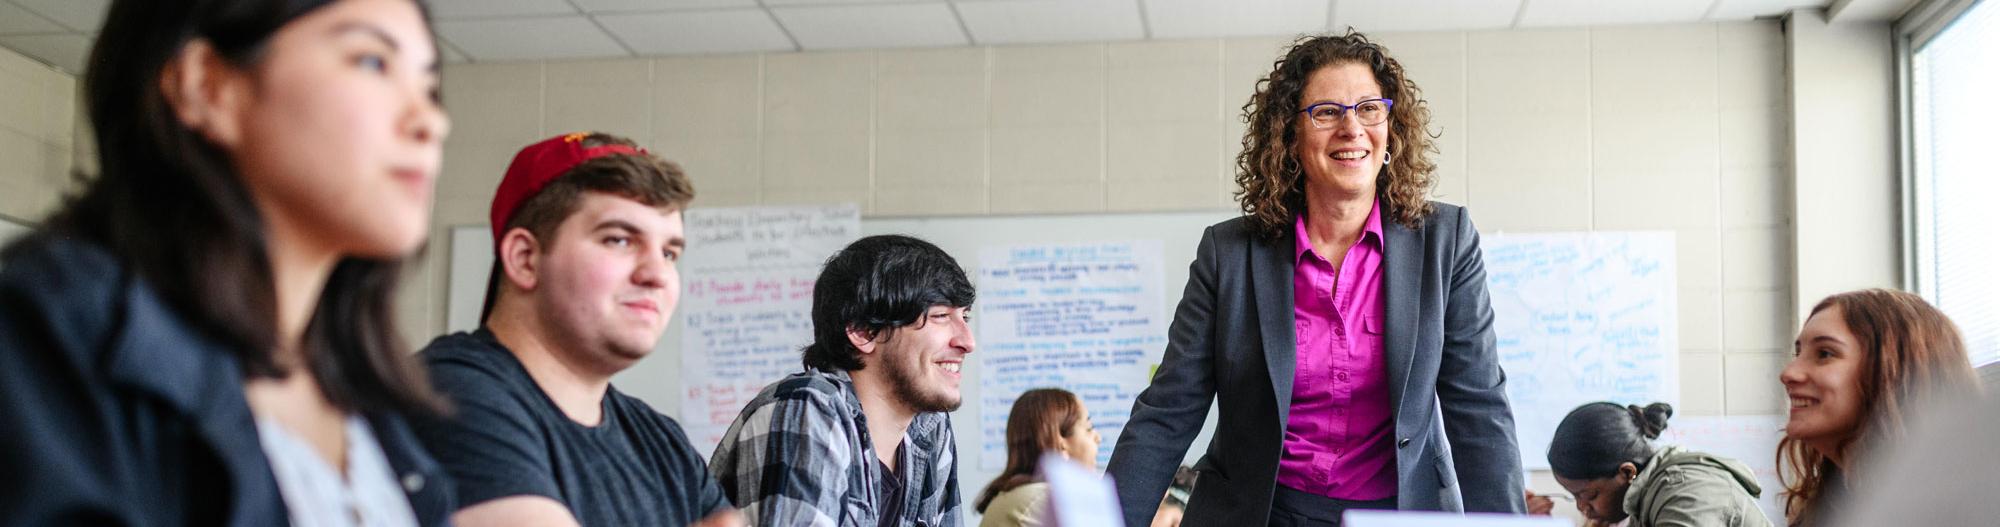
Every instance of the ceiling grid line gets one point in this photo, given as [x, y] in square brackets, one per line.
[1710, 12]
[599, 24]
[1145, 26]
[773, 15]
[960, 19]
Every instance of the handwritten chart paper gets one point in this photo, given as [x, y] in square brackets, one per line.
[1082, 317]
[1751, 439]
[747, 303]
[1582, 317]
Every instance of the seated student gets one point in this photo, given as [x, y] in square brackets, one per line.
[1862, 361]
[1603, 454]
[863, 436]
[1042, 420]
[587, 230]
[203, 335]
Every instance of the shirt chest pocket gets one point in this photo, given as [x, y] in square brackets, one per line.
[1369, 339]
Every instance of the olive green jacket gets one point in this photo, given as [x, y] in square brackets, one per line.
[1684, 488]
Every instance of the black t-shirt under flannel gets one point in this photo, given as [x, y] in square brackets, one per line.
[893, 487]
[507, 438]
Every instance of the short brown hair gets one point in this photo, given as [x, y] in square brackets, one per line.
[643, 177]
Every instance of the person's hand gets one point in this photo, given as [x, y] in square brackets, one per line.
[1539, 505]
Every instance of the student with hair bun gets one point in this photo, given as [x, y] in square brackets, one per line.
[1603, 454]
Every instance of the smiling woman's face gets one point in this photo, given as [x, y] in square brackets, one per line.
[1343, 158]
[1823, 382]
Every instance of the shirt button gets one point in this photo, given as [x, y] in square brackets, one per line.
[413, 482]
[1342, 376]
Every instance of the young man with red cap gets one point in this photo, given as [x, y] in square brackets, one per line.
[587, 231]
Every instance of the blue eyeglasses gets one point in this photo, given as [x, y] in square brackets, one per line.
[1327, 114]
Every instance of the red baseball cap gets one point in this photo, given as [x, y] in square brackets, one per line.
[538, 164]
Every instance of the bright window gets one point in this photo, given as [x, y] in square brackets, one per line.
[1955, 138]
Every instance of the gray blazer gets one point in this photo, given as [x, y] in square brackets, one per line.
[1232, 341]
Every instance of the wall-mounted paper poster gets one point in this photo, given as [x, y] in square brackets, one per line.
[746, 303]
[1582, 317]
[1083, 317]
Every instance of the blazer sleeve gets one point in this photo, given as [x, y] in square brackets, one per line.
[1168, 415]
[1472, 389]
[67, 460]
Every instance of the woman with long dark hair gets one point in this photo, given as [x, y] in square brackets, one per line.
[203, 335]
[1042, 420]
[1863, 361]
[1603, 454]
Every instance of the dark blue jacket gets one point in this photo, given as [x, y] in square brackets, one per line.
[1234, 344]
[115, 411]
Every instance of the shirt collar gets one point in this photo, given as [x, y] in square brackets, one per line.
[1302, 242]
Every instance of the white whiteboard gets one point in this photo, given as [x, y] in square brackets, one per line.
[1582, 317]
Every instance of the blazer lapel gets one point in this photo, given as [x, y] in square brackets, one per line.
[1271, 271]
[1402, 290]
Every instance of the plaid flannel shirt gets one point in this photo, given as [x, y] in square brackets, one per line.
[799, 454]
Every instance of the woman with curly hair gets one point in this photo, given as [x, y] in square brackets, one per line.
[1342, 323]
[1862, 362]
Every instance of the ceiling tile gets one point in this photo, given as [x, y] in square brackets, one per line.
[1238, 18]
[80, 15]
[1048, 21]
[775, 3]
[872, 26]
[1424, 15]
[690, 32]
[461, 9]
[1578, 13]
[67, 51]
[530, 38]
[601, 6]
[1748, 9]
[14, 20]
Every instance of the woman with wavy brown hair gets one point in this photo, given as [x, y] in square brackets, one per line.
[1863, 361]
[1342, 323]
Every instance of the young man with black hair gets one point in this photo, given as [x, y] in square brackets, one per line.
[587, 231]
[862, 437]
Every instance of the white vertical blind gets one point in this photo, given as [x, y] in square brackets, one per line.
[1955, 91]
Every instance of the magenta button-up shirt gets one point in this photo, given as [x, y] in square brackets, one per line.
[1338, 440]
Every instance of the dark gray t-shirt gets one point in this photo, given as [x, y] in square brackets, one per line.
[507, 438]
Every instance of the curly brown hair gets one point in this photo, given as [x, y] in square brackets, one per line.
[1269, 181]
[1913, 358]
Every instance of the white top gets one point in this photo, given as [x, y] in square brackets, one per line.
[317, 496]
